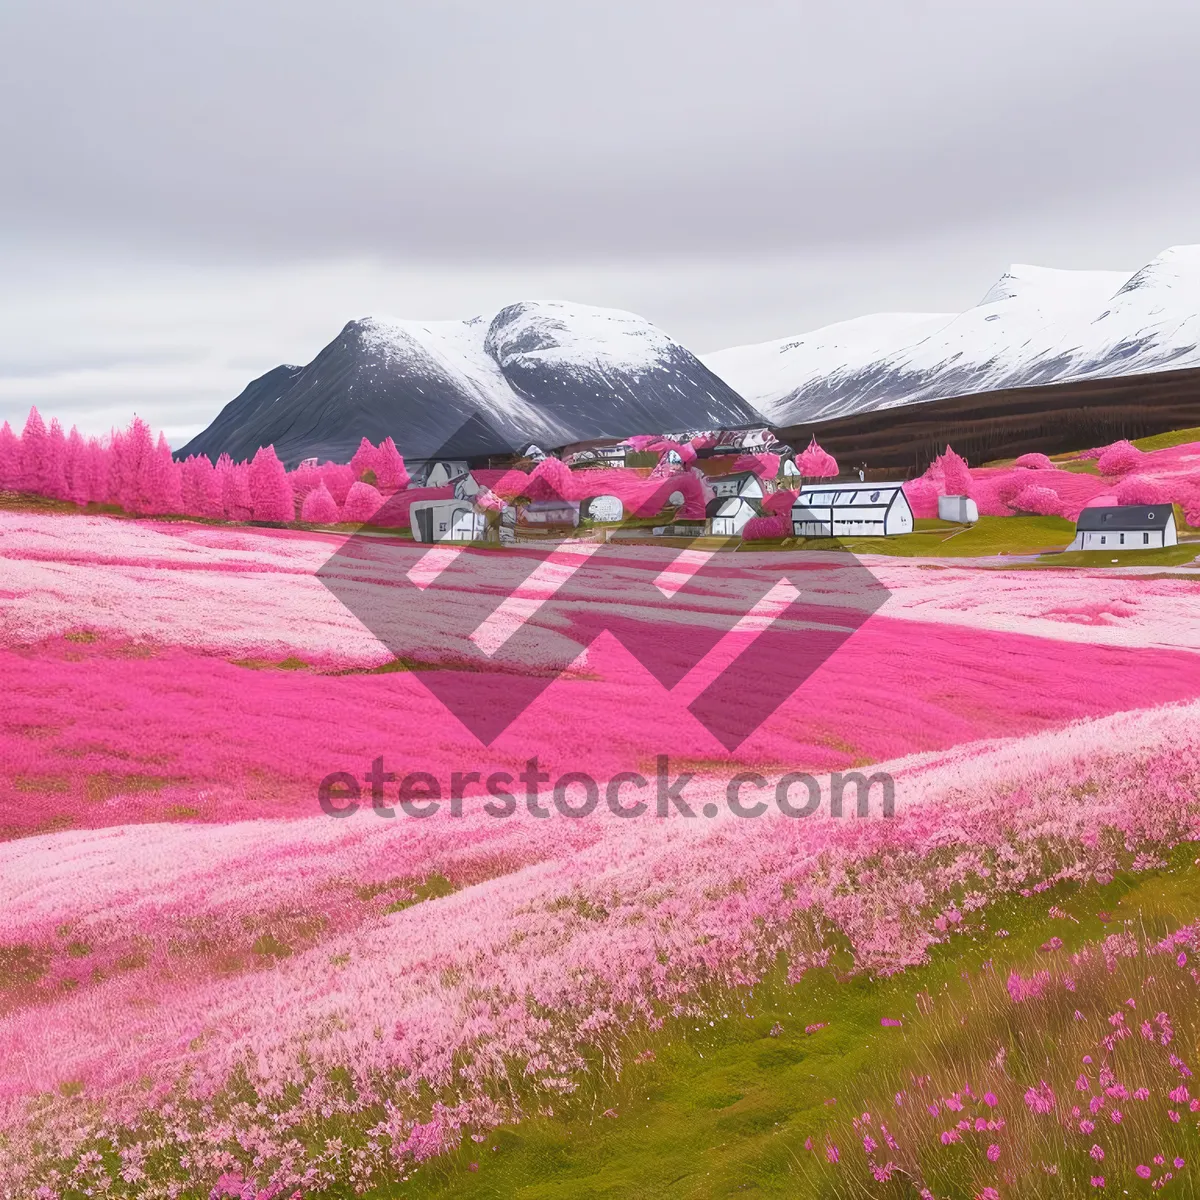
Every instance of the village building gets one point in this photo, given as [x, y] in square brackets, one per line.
[546, 513]
[851, 509]
[446, 520]
[727, 516]
[439, 472]
[1127, 527]
[962, 510]
[742, 483]
[605, 510]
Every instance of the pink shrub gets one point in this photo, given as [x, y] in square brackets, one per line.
[1137, 489]
[337, 477]
[765, 466]
[922, 496]
[319, 507]
[779, 504]
[10, 458]
[1035, 462]
[1120, 459]
[1039, 500]
[766, 529]
[362, 502]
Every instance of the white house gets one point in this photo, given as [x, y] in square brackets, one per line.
[851, 509]
[446, 521]
[744, 483]
[1129, 527]
[727, 516]
[962, 510]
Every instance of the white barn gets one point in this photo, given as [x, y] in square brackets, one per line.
[446, 521]
[1128, 527]
[851, 509]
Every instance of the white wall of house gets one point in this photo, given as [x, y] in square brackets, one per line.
[852, 510]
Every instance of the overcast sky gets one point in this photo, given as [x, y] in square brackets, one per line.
[193, 193]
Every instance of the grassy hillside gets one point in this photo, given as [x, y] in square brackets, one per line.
[724, 1110]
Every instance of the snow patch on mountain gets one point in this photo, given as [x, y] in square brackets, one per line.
[1035, 325]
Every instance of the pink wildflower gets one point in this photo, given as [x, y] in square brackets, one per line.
[993, 1152]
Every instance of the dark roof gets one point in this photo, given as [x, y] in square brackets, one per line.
[1126, 517]
[714, 506]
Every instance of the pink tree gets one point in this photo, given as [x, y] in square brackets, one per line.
[99, 470]
[815, 463]
[54, 473]
[365, 459]
[390, 473]
[235, 489]
[33, 454]
[362, 503]
[131, 468]
[271, 493]
[319, 507]
[163, 481]
[955, 474]
[1121, 458]
[270, 490]
[78, 477]
[10, 458]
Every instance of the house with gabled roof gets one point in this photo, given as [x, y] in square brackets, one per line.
[842, 508]
[1126, 527]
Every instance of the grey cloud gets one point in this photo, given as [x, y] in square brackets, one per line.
[433, 129]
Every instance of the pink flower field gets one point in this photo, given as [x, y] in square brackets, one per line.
[211, 987]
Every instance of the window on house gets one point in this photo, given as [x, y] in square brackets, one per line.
[1122, 539]
[1145, 539]
[1103, 539]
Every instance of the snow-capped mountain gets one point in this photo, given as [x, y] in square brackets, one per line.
[549, 373]
[1034, 326]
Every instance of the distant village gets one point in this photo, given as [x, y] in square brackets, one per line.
[731, 485]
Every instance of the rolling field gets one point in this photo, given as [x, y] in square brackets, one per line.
[210, 987]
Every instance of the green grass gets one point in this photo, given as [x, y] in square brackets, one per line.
[940, 539]
[1164, 441]
[1172, 556]
[724, 1110]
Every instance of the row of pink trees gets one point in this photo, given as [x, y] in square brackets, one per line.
[134, 471]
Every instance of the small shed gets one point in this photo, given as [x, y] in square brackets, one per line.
[549, 512]
[744, 483]
[727, 516]
[962, 510]
[1126, 527]
[851, 509]
[454, 520]
[603, 509]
